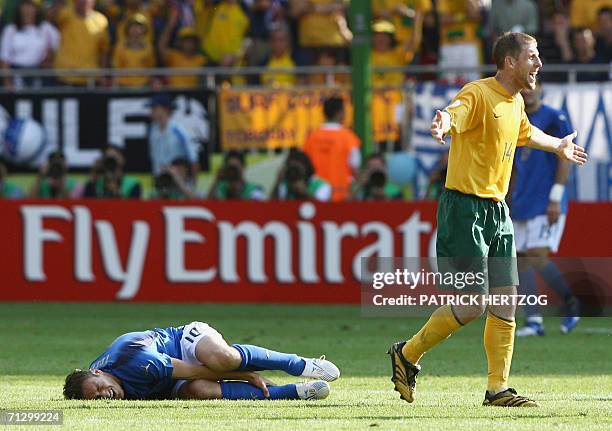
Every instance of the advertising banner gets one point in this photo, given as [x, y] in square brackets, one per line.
[300, 252]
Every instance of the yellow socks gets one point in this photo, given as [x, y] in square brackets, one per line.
[439, 327]
[499, 345]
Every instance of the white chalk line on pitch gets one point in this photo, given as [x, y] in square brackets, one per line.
[607, 331]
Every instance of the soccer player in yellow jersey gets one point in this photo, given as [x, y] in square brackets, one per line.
[486, 121]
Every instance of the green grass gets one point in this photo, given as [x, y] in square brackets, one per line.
[571, 376]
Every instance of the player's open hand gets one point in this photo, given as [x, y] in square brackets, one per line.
[259, 382]
[437, 128]
[567, 150]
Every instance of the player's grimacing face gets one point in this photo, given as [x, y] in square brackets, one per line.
[102, 387]
[528, 65]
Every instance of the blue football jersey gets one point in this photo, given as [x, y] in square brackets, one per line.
[143, 362]
[535, 170]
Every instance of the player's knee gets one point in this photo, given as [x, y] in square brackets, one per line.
[537, 258]
[224, 359]
[467, 313]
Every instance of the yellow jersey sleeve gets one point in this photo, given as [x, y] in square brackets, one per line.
[525, 131]
[465, 109]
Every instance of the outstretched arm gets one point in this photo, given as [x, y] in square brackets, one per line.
[184, 371]
[564, 147]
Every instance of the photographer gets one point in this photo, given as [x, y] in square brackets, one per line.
[8, 190]
[107, 179]
[230, 182]
[176, 182]
[297, 181]
[52, 180]
[373, 183]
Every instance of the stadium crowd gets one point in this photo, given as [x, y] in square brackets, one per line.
[125, 34]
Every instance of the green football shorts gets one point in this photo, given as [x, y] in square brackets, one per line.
[475, 236]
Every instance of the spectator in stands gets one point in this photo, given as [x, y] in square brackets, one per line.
[554, 40]
[321, 24]
[78, 21]
[8, 189]
[224, 43]
[387, 52]
[584, 53]
[513, 15]
[603, 43]
[583, 14]
[29, 42]
[186, 56]
[373, 183]
[120, 15]
[280, 57]
[327, 57]
[134, 52]
[297, 180]
[460, 34]
[177, 182]
[264, 16]
[407, 16]
[230, 182]
[334, 149]
[108, 179]
[167, 139]
[52, 180]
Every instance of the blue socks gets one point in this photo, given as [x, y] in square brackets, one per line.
[528, 286]
[555, 280]
[256, 358]
[246, 391]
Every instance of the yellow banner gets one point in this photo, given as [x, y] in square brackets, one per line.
[272, 118]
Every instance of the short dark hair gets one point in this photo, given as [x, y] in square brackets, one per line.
[332, 106]
[234, 154]
[73, 386]
[37, 20]
[509, 44]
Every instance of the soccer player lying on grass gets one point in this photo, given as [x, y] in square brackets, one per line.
[194, 362]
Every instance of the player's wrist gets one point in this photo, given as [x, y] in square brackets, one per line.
[556, 193]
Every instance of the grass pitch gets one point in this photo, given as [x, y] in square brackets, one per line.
[570, 376]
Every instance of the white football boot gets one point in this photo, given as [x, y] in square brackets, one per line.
[314, 390]
[321, 369]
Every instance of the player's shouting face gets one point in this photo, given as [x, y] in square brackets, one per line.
[526, 66]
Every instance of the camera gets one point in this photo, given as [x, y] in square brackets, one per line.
[377, 179]
[56, 170]
[165, 185]
[231, 173]
[295, 172]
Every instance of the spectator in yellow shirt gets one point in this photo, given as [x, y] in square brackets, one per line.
[327, 57]
[186, 56]
[135, 52]
[84, 37]
[407, 16]
[321, 24]
[119, 16]
[280, 58]
[460, 37]
[225, 37]
[386, 51]
[584, 13]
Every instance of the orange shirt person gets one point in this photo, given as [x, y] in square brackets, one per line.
[334, 150]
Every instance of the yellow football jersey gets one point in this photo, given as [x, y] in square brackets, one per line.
[463, 29]
[404, 27]
[487, 123]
